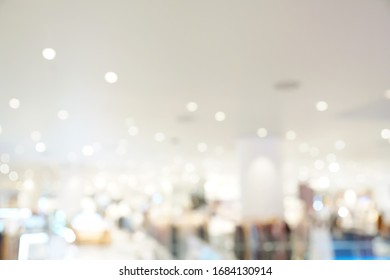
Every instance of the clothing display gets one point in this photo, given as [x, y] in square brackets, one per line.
[263, 241]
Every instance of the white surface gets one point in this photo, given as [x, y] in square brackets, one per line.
[224, 55]
[102, 270]
[137, 246]
[261, 193]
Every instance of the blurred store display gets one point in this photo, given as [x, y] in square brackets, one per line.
[247, 130]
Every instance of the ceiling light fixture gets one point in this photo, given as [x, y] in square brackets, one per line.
[291, 135]
[40, 147]
[14, 103]
[385, 133]
[4, 168]
[321, 106]
[220, 116]
[88, 150]
[262, 132]
[63, 115]
[339, 145]
[111, 77]
[133, 130]
[334, 167]
[192, 107]
[49, 53]
[13, 176]
[159, 137]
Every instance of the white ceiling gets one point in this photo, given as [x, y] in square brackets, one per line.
[225, 55]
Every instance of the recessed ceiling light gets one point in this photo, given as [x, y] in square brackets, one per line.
[385, 133]
[291, 135]
[322, 106]
[262, 132]
[220, 116]
[111, 77]
[202, 147]
[4, 168]
[192, 107]
[133, 130]
[13, 176]
[334, 167]
[49, 53]
[1, 129]
[63, 115]
[159, 137]
[14, 103]
[40, 147]
[88, 150]
[339, 145]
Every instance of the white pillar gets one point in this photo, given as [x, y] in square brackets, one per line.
[261, 178]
